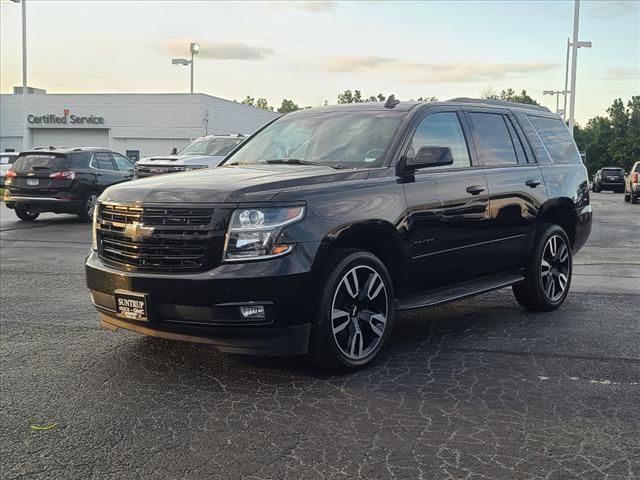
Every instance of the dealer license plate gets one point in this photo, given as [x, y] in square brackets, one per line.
[33, 181]
[131, 305]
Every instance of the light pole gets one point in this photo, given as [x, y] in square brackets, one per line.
[25, 130]
[574, 64]
[194, 48]
[557, 93]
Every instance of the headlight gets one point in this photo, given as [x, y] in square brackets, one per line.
[94, 237]
[195, 167]
[253, 232]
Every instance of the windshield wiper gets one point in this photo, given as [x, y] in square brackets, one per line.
[297, 161]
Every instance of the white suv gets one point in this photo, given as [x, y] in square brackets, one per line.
[203, 152]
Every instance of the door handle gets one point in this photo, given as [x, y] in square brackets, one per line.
[532, 183]
[475, 189]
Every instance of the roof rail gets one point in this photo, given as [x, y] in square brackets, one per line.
[488, 101]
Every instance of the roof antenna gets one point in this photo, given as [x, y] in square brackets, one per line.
[391, 102]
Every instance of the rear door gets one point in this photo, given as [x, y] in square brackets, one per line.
[105, 169]
[516, 186]
[447, 206]
[40, 174]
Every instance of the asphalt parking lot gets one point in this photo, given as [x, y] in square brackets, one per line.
[477, 389]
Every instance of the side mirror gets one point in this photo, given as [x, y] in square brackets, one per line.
[430, 157]
[174, 150]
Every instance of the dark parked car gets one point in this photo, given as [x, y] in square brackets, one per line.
[67, 180]
[324, 224]
[609, 178]
[632, 184]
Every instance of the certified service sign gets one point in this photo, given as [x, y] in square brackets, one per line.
[66, 118]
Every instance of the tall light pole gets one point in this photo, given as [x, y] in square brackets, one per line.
[574, 64]
[25, 130]
[194, 48]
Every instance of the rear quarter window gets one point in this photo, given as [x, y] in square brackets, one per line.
[556, 138]
[26, 163]
[79, 160]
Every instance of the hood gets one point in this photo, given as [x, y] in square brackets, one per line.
[228, 184]
[177, 160]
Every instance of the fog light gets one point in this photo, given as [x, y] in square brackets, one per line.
[252, 311]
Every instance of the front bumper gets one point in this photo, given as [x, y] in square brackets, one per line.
[204, 306]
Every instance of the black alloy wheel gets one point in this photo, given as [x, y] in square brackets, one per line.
[26, 214]
[548, 272]
[355, 315]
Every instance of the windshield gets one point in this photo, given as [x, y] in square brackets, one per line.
[345, 139]
[211, 146]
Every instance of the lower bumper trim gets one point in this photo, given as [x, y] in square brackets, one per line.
[267, 341]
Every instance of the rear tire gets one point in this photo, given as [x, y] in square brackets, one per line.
[354, 313]
[88, 204]
[634, 198]
[548, 272]
[26, 214]
[627, 195]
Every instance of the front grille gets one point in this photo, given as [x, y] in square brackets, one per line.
[146, 171]
[179, 240]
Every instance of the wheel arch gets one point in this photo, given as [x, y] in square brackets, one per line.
[378, 237]
[560, 211]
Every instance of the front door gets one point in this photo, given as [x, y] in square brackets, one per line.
[447, 206]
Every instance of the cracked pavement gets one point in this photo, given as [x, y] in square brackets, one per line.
[478, 389]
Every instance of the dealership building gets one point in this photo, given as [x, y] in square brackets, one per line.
[137, 125]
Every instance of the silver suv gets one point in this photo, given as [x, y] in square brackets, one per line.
[203, 152]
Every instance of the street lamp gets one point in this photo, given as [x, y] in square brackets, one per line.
[557, 93]
[574, 64]
[194, 48]
[25, 130]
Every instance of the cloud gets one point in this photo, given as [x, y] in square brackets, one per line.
[352, 64]
[312, 6]
[219, 51]
[631, 73]
[437, 72]
[614, 8]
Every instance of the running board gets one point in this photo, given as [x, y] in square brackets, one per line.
[457, 291]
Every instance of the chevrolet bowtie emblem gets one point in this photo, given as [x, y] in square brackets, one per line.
[137, 231]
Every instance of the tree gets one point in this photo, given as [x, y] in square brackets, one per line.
[262, 104]
[427, 99]
[510, 95]
[259, 103]
[288, 106]
[350, 97]
[249, 101]
[613, 140]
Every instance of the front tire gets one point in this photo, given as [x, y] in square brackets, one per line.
[88, 204]
[548, 272]
[26, 214]
[354, 316]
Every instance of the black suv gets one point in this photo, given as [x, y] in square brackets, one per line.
[328, 221]
[609, 178]
[63, 180]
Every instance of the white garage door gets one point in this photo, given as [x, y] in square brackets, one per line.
[70, 137]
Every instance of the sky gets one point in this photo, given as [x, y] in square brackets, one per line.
[312, 51]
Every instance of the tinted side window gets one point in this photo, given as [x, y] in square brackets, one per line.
[123, 164]
[103, 161]
[555, 136]
[492, 139]
[442, 130]
[79, 160]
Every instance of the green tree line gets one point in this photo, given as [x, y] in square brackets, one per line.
[612, 140]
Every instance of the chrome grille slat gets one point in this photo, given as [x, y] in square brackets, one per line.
[179, 240]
